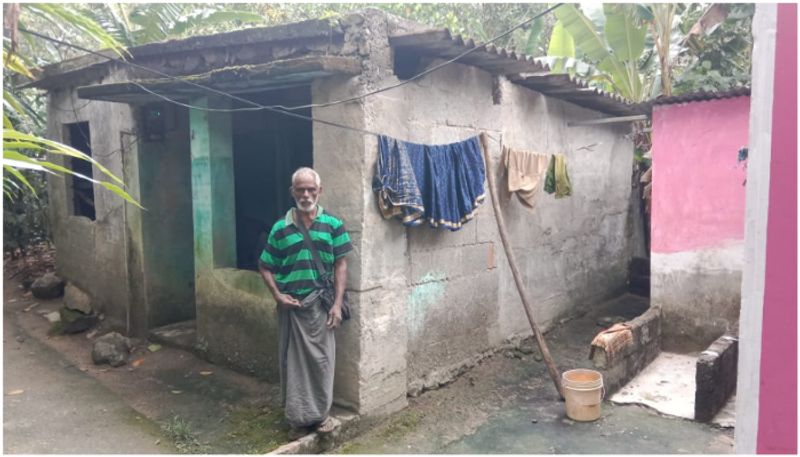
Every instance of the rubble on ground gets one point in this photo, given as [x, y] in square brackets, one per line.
[111, 348]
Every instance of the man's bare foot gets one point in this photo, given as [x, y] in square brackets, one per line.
[328, 425]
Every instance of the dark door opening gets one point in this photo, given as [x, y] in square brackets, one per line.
[82, 190]
[267, 148]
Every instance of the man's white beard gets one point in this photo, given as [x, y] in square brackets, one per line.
[306, 208]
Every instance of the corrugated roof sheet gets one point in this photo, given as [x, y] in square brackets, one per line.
[701, 96]
[519, 68]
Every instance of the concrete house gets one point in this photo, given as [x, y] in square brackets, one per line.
[426, 302]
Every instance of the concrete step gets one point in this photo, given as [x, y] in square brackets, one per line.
[181, 335]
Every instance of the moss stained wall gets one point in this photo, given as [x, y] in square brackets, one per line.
[168, 250]
[236, 323]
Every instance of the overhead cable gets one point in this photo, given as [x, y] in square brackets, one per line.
[258, 106]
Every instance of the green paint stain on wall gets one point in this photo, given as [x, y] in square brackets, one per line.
[422, 296]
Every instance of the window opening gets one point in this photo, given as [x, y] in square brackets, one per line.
[82, 190]
[267, 148]
[407, 63]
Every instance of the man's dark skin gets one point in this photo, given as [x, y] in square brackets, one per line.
[306, 194]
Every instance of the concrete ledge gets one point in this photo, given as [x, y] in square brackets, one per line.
[317, 443]
[632, 359]
[715, 377]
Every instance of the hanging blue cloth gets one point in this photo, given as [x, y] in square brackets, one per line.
[440, 184]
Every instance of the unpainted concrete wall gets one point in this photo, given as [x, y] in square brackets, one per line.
[460, 295]
[698, 218]
[91, 254]
[429, 301]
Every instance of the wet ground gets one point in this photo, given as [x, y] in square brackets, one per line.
[508, 404]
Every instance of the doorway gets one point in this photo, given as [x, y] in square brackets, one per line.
[267, 148]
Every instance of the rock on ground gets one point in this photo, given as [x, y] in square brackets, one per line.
[75, 321]
[77, 300]
[48, 286]
[111, 348]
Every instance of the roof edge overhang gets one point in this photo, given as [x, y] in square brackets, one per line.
[240, 79]
[702, 96]
[519, 68]
[54, 76]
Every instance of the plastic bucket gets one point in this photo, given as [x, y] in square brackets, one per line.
[583, 392]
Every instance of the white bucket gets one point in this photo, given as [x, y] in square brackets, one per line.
[583, 392]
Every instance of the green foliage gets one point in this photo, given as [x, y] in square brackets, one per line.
[24, 149]
[636, 50]
[25, 220]
[614, 54]
[64, 15]
[181, 433]
[721, 59]
[255, 431]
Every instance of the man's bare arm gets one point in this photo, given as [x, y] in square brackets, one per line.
[339, 284]
[284, 300]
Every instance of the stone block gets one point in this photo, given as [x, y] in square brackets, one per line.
[75, 321]
[76, 299]
[425, 238]
[634, 357]
[48, 286]
[715, 377]
[381, 373]
[452, 263]
[449, 321]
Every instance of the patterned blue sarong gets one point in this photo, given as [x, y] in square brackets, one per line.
[441, 184]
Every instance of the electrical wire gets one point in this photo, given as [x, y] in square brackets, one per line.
[275, 110]
[291, 108]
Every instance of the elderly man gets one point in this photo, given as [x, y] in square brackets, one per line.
[306, 330]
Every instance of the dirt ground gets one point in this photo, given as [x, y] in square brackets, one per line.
[193, 405]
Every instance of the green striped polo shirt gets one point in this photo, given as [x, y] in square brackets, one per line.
[287, 257]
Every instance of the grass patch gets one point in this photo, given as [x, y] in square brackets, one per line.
[401, 424]
[393, 429]
[56, 328]
[256, 431]
[180, 432]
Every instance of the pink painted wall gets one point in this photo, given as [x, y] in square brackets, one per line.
[698, 196]
[777, 415]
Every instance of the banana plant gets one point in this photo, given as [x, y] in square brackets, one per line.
[613, 51]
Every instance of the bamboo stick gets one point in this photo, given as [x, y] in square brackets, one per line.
[512, 262]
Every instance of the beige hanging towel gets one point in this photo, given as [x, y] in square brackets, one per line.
[524, 170]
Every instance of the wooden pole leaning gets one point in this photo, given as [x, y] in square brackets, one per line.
[512, 262]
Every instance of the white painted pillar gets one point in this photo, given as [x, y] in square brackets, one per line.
[756, 207]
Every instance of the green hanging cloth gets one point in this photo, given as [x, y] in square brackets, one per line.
[563, 186]
[550, 177]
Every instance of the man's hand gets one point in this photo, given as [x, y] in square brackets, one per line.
[334, 316]
[287, 302]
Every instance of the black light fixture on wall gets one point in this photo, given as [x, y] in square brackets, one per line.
[154, 122]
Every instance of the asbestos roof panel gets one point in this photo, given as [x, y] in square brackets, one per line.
[702, 96]
[519, 68]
